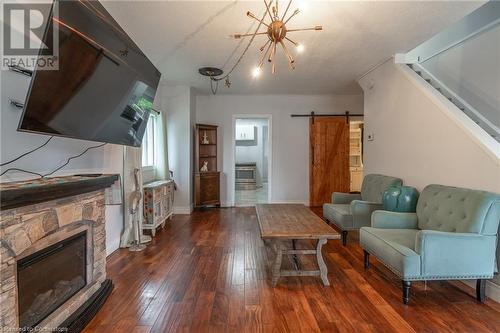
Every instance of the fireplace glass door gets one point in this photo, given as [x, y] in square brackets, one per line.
[48, 278]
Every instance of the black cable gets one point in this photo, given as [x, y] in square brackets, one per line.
[29, 152]
[17, 169]
[58, 168]
[73, 157]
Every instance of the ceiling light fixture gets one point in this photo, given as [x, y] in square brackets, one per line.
[277, 34]
[256, 72]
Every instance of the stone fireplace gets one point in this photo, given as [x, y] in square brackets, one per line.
[52, 261]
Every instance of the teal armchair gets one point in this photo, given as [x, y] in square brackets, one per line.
[452, 236]
[350, 211]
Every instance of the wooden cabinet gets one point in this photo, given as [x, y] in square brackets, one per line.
[245, 132]
[356, 155]
[356, 179]
[206, 176]
[158, 204]
[207, 188]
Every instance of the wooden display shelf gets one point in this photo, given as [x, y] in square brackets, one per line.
[206, 183]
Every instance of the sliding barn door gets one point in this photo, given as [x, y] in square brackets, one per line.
[329, 158]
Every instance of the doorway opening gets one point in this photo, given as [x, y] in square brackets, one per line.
[252, 161]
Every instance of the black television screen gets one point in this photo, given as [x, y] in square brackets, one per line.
[104, 87]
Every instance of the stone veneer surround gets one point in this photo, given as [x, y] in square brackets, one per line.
[28, 229]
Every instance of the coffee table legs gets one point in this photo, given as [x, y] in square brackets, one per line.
[277, 262]
[281, 250]
[323, 270]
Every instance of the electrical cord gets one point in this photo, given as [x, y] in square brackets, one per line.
[25, 171]
[27, 153]
[56, 169]
[73, 157]
[214, 82]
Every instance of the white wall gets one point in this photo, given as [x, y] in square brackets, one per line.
[416, 141]
[254, 151]
[178, 102]
[192, 122]
[289, 136]
[107, 159]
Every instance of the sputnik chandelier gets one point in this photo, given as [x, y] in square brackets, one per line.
[276, 33]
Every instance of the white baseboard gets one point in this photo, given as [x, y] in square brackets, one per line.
[182, 210]
[492, 289]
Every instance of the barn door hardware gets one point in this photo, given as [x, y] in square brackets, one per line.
[313, 115]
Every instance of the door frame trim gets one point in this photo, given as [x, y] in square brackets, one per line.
[232, 176]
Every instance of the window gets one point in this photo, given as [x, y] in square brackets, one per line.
[148, 144]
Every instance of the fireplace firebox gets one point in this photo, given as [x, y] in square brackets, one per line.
[48, 278]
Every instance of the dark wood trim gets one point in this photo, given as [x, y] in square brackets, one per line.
[480, 290]
[81, 317]
[406, 291]
[28, 195]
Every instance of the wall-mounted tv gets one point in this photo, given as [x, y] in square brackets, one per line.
[104, 88]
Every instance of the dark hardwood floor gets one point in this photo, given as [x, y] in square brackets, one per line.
[209, 272]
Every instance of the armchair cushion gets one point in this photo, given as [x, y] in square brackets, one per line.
[340, 214]
[395, 248]
[454, 255]
[345, 198]
[392, 220]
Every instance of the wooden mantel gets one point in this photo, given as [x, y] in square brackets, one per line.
[29, 192]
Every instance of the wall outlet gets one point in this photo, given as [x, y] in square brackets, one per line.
[371, 137]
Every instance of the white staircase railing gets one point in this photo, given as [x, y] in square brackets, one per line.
[459, 102]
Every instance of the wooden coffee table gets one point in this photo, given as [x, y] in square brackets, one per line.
[281, 223]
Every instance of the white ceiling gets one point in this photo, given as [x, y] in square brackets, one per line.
[181, 36]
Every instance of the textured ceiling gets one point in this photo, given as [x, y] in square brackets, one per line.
[181, 36]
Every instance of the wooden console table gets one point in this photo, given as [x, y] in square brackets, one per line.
[284, 222]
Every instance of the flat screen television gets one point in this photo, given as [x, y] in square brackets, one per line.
[104, 88]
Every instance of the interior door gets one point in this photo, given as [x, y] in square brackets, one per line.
[329, 158]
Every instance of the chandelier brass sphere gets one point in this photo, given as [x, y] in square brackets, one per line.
[276, 33]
